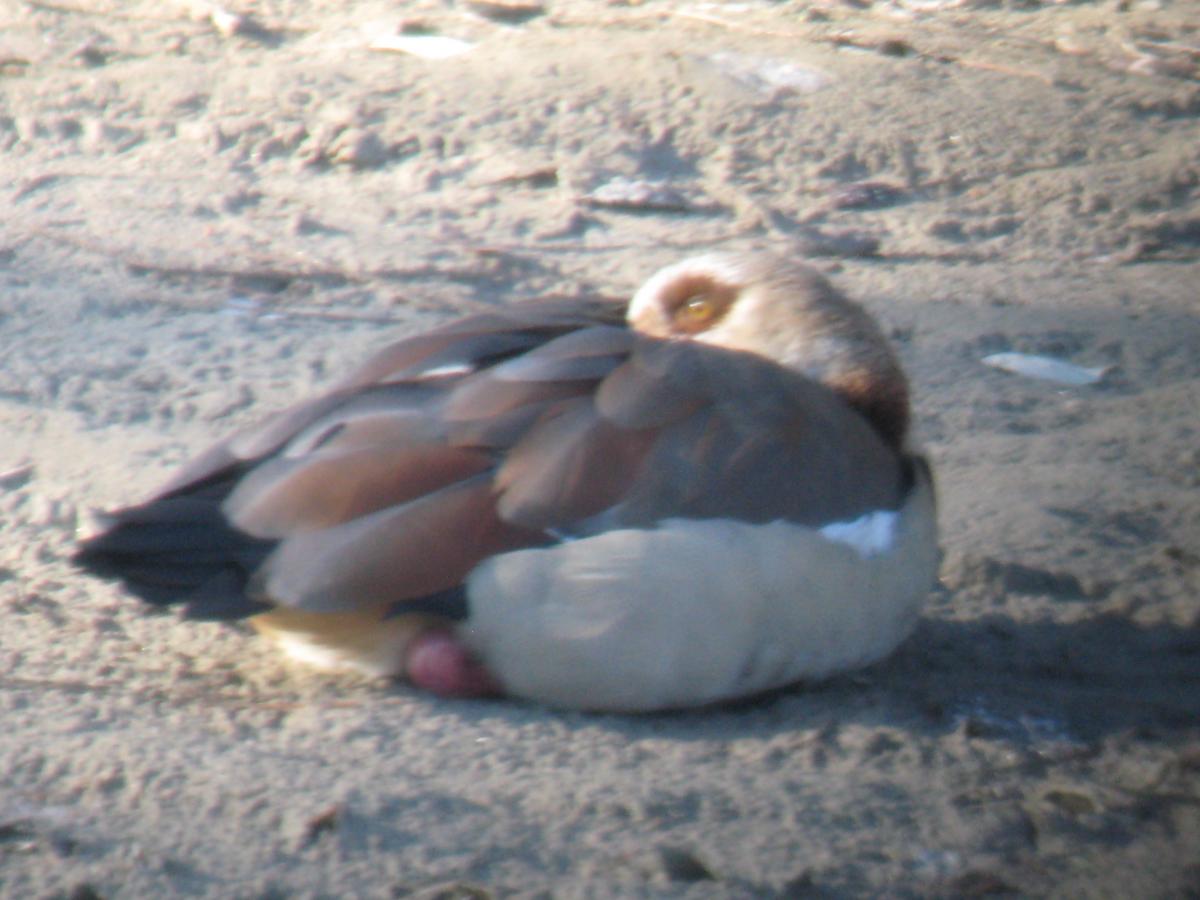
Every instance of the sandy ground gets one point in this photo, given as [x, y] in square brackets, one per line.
[205, 217]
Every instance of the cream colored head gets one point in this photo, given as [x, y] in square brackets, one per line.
[785, 312]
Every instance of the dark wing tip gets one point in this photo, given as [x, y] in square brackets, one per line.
[178, 550]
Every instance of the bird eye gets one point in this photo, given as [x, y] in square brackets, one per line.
[696, 309]
[697, 304]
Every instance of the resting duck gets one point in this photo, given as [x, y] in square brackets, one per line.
[703, 495]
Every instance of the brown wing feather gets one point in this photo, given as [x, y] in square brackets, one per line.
[573, 464]
[765, 444]
[485, 338]
[395, 554]
[479, 340]
[650, 388]
[496, 413]
[585, 354]
[284, 496]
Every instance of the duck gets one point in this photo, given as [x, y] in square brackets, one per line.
[703, 494]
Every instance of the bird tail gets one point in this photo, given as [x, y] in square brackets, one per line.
[179, 550]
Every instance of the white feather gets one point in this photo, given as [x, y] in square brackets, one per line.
[871, 534]
[698, 611]
[1047, 368]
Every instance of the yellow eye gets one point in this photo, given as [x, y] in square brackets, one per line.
[698, 304]
[696, 309]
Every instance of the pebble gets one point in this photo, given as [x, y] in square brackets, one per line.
[451, 890]
[91, 53]
[570, 223]
[681, 865]
[865, 195]
[236, 201]
[768, 76]
[980, 883]
[302, 224]
[227, 24]
[17, 476]
[230, 24]
[28, 128]
[358, 148]
[45, 511]
[510, 12]
[207, 135]
[840, 243]
[324, 822]
[1073, 803]
[427, 46]
[100, 136]
[318, 147]
[66, 128]
[638, 196]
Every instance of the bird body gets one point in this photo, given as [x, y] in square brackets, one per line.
[702, 495]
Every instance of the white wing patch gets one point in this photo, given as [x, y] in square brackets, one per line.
[871, 534]
[447, 370]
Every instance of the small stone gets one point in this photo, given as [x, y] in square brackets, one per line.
[84, 891]
[209, 135]
[46, 511]
[325, 821]
[865, 195]
[853, 244]
[358, 148]
[40, 510]
[302, 224]
[803, 884]
[948, 230]
[28, 128]
[317, 148]
[236, 201]
[16, 476]
[981, 883]
[572, 223]
[1070, 802]
[14, 65]
[67, 128]
[228, 24]
[680, 865]
[629, 195]
[455, 890]
[99, 137]
[91, 54]
[510, 12]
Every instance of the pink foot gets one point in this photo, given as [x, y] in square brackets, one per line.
[440, 663]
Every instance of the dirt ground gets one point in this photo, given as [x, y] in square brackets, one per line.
[209, 212]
